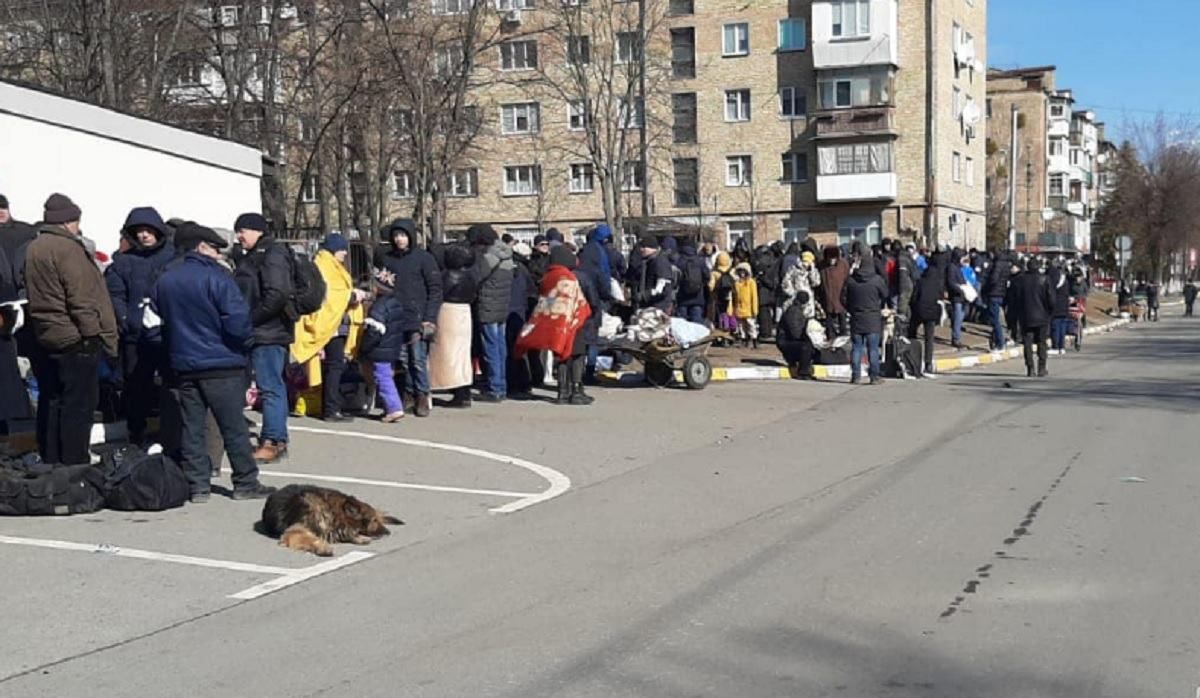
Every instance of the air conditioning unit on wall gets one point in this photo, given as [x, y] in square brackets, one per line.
[512, 17]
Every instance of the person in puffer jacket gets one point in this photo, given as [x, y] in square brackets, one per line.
[494, 271]
[803, 277]
[383, 338]
[129, 279]
[793, 340]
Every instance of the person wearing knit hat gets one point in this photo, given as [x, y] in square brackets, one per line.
[494, 267]
[14, 234]
[334, 243]
[73, 324]
[554, 237]
[654, 286]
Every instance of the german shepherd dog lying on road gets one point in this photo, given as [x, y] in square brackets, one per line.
[309, 519]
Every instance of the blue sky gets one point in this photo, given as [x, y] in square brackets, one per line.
[1126, 60]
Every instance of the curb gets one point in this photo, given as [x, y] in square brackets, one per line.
[769, 373]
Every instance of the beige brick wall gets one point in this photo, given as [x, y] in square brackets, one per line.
[1031, 176]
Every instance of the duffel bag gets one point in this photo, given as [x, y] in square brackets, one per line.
[59, 491]
[138, 481]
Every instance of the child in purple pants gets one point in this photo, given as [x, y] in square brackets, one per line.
[382, 340]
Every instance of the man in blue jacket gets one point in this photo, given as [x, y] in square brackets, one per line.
[129, 280]
[207, 334]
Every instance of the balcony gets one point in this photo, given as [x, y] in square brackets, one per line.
[878, 46]
[1063, 203]
[874, 186]
[1059, 128]
[861, 121]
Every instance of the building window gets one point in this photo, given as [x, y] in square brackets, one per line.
[464, 183]
[795, 167]
[683, 53]
[681, 8]
[793, 34]
[633, 176]
[583, 178]
[989, 107]
[738, 230]
[851, 18]
[449, 60]
[309, 191]
[503, 5]
[956, 166]
[522, 180]
[1058, 147]
[518, 55]
[858, 158]
[842, 89]
[735, 39]
[737, 105]
[970, 165]
[958, 104]
[632, 117]
[687, 181]
[402, 185]
[520, 118]
[858, 228]
[683, 109]
[793, 102]
[1056, 185]
[794, 230]
[577, 115]
[627, 48]
[451, 7]
[1074, 156]
[1057, 111]
[579, 50]
[738, 171]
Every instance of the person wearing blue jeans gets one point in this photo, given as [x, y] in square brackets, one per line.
[869, 342]
[268, 362]
[414, 357]
[495, 350]
[865, 295]
[959, 314]
[494, 269]
[1058, 333]
[996, 311]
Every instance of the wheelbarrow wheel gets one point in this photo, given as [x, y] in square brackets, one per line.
[697, 372]
[659, 374]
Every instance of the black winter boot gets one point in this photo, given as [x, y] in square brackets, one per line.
[562, 374]
[578, 397]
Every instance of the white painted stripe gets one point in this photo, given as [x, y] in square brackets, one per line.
[751, 373]
[397, 485]
[969, 361]
[146, 555]
[296, 576]
[559, 483]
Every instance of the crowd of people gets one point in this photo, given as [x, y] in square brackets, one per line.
[180, 320]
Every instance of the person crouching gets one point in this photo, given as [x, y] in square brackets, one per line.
[793, 340]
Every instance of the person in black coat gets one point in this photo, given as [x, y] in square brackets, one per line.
[1032, 301]
[766, 275]
[1060, 289]
[691, 298]
[995, 290]
[926, 309]
[417, 283]
[15, 405]
[519, 374]
[955, 280]
[1189, 297]
[793, 340]
[865, 297]
[494, 269]
[13, 235]
[587, 336]
[264, 276]
[654, 285]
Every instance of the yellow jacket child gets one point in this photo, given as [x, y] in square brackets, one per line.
[745, 293]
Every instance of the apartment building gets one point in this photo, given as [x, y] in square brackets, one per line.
[839, 119]
[1049, 185]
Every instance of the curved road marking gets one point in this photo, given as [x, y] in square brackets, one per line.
[395, 485]
[559, 483]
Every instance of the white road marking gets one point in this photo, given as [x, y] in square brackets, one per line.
[397, 485]
[301, 575]
[559, 483]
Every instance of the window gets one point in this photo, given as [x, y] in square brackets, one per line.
[683, 53]
[1057, 111]
[793, 34]
[1074, 156]
[520, 118]
[795, 167]
[402, 185]
[841, 89]
[1056, 185]
[793, 102]
[514, 5]
[308, 130]
[577, 115]
[681, 8]
[464, 183]
[687, 181]
[735, 39]
[579, 50]
[956, 166]
[738, 171]
[449, 60]
[451, 7]
[627, 48]
[229, 15]
[309, 190]
[794, 230]
[633, 176]
[958, 104]
[858, 158]
[683, 109]
[518, 55]
[851, 18]
[522, 180]
[583, 178]
[854, 228]
[1058, 146]
[989, 107]
[970, 165]
[737, 105]
[632, 118]
[737, 230]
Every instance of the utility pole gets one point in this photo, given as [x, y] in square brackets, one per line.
[1012, 182]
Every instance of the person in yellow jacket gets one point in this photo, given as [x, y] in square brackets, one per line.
[327, 337]
[745, 303]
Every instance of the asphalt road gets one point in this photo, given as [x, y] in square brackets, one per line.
[970, 536]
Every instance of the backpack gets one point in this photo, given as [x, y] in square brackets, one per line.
[308, 287]
[47, 490]
[693, 276]
[137, 481]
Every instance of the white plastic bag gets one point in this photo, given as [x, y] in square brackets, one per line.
[688, 333]
[610, 326]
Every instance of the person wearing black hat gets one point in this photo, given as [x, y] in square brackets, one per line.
[129, 279]
[1032, 302]
[207, 336]
[413, 275]
[73, 325]
[13, 233]
[654, 287]
[264, 275]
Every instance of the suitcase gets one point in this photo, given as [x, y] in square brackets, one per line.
[903, 358]
[834, 357]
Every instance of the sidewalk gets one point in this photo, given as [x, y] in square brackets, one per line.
[765, 363]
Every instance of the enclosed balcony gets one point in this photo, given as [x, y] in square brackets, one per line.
[856, 33]
[859, 121]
